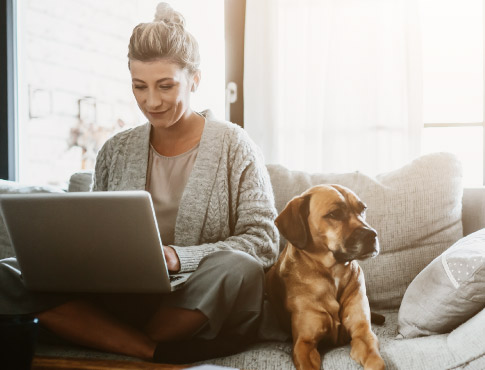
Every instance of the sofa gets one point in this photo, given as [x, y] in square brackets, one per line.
[421, 212]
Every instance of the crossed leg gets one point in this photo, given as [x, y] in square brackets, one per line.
[84, 323]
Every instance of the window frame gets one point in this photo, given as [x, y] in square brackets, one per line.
[8, 91]
[471, 124]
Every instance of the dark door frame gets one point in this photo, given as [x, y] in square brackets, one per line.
[234, 21]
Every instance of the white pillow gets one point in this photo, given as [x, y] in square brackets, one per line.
[449, 291]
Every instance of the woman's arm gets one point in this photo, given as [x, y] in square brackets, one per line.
[251, 202]
[101, 169]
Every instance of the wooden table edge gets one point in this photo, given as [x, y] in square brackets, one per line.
[72, 363]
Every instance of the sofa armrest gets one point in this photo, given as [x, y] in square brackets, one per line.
[81, 181]
[466, 341]
[473, 216]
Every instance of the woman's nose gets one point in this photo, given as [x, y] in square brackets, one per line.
[153, 100]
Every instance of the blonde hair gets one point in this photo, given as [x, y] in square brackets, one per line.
[165, 38]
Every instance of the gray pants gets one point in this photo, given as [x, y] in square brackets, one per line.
[227, 287]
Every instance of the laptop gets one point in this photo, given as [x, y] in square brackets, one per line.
[88, 242]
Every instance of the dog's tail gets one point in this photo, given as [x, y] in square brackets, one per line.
[376, 318]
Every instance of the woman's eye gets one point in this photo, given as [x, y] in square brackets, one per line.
[166, 87]
[139, 87]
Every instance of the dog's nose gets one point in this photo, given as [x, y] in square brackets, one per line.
[368, 235]
[364, 235]
[363, 240]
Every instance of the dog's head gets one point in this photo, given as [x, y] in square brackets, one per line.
[329, 216]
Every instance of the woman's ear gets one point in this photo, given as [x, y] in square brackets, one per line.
[195, 81]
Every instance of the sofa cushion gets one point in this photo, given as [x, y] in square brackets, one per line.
[416, 211]
[11, 187]
[449, 291]
[435, 352]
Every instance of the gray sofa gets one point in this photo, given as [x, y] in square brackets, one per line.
[419, 211]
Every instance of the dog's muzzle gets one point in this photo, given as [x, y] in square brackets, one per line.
[361, 244]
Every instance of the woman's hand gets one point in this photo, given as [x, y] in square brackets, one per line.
[173, 262]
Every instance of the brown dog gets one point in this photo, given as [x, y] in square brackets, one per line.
[316, 286]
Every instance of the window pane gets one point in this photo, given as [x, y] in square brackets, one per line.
[74, 83]
[452, 33]
[464, 142]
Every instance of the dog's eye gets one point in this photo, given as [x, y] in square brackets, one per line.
[338, 214]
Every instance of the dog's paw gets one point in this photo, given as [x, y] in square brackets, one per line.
[374, 362]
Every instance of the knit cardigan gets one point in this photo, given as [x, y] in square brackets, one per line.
[227, 204]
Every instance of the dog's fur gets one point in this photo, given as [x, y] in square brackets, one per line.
[317, 287]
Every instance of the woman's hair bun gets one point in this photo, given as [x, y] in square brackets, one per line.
[165, 37]
[165, 13]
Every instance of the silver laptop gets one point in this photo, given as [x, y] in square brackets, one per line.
[88, 242]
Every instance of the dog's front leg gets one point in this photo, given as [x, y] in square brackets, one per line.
[364, 343]
[308, 329]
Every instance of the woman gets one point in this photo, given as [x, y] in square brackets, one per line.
[214, 206]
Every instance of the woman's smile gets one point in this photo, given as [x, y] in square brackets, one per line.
[158, 114]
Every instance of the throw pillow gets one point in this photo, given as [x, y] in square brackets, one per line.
[449, 291]
[415, 209]
[11, 187]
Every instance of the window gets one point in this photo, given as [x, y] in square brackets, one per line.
[50, 149]
[453, 65]
[74, 88]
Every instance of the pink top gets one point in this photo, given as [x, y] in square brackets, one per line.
[166, 180]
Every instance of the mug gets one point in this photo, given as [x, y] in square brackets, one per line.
[18, 336]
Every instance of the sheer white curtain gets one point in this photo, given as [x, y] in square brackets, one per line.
[334, 85]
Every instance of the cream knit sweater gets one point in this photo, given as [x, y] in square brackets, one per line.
[228, 202]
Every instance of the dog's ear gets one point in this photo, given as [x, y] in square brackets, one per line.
[292, 222]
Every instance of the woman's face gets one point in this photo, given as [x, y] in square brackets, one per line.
[162, 90]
